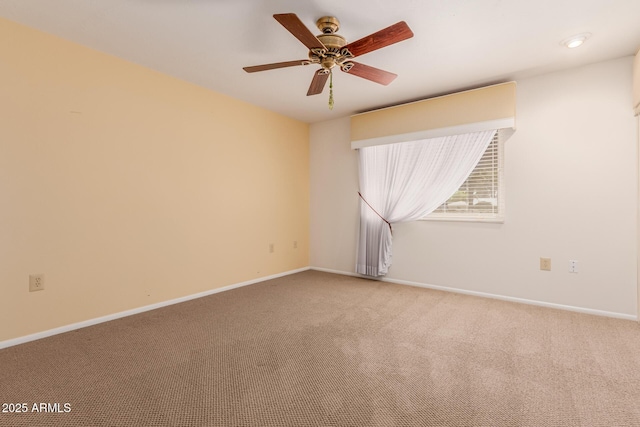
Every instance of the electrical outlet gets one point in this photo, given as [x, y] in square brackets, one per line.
[573, 266]
[545, 264]
[295, 244]
[272, 248]
[36, 282]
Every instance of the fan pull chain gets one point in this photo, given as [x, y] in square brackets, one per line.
[330, 90]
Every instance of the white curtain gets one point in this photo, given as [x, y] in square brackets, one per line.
[406, 181]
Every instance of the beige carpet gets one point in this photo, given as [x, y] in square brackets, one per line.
[317, 349]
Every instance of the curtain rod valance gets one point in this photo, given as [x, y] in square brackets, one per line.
[491, 107]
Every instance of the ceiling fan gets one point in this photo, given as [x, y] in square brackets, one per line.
[330, 49]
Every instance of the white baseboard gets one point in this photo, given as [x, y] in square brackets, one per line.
[487, 295]
[90, 322]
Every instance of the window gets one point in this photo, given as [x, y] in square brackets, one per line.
[481, 196]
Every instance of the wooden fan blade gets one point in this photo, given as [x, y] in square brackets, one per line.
[370, 73]
[300, 31]
[318, 82]
[275, 65]
[385, 37]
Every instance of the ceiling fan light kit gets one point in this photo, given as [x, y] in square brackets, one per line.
[330, 49]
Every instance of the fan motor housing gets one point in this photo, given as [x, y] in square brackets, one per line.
[332, 41]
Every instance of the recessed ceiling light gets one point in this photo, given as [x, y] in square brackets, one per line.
[575, 41]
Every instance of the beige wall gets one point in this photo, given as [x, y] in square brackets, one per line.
[572, 184]
[126, 187]
[636, 83]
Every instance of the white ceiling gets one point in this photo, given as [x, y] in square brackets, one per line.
[458, 44]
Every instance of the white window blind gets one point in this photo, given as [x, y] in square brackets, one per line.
[481, 196]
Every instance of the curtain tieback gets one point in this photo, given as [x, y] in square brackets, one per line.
[383, 218]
